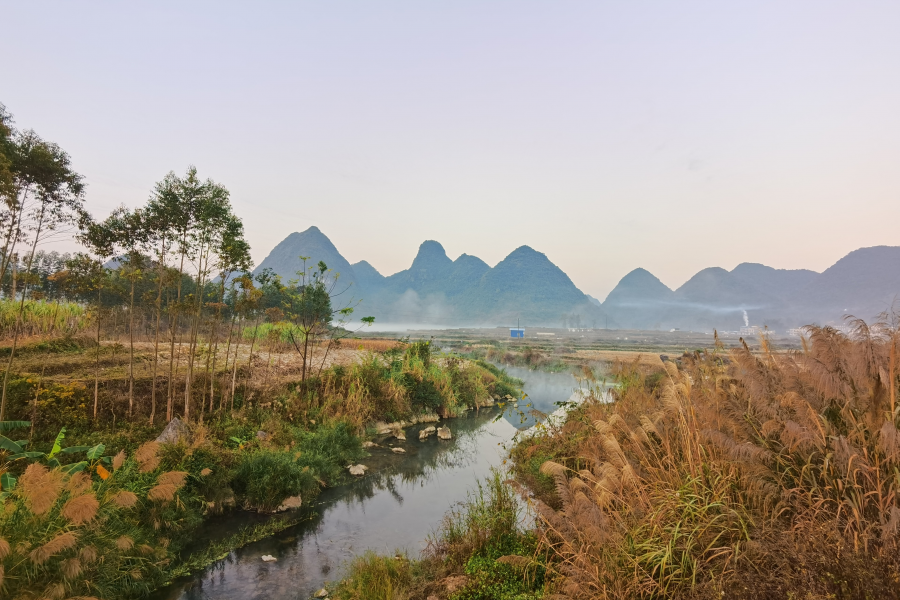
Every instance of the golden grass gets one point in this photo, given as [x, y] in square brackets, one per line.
[371, 345]
[730, 476]
[40, 487]
[81, 509]
[61, 542]
[147, 456]
[124, 499]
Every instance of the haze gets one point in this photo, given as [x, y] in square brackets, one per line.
[670, 136]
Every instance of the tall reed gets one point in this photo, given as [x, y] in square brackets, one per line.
[743, 474]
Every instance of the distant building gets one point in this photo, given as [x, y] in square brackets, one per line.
[516, 332]
[754, 330]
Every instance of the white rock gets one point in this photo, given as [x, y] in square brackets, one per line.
[290, 503]
[398, 450]
[443, 433]
[322, 593]
[423, 434]
[358, 470]
[269, 558]
[368, 444]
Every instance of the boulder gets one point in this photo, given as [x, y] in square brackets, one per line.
[358, 470]
[400, 434]
[443, 433]
[175, 432]
[398, 450]
[322, 593]
[428, 431]
[290, 503]
[262, 436]
[368, 444]
[426, 418]
[268, 558]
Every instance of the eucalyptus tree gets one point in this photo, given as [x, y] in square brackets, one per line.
[43, 198]
[232, 254]
[99, 238]
[176, 200]
[215, 229]
[158, 228]
[130, 237]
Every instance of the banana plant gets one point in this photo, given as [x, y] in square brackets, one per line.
[94, 454]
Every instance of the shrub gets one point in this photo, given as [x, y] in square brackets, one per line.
[264, 479]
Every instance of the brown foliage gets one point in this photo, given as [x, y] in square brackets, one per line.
[118, 460]
[733, 476]
[40, 487]
[147, 456]
[124, 499]
[81, 509]
[163, 492]
[42, 554]
[175, 478]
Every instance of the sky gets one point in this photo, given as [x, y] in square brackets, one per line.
[671, 136]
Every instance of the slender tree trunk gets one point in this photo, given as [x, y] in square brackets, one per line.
[252, 344]
[13, 233]
[131, 349]
[12, 351]
[227, 355]
[159, 288]
[237, 348]
[193, 337]
[174, 326]
[97, 366]
[37, 394]
[214, 348]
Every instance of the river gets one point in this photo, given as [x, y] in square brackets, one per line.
[395, 507]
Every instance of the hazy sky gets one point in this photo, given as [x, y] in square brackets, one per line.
[608, 135]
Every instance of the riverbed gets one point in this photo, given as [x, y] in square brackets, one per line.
[394, 508]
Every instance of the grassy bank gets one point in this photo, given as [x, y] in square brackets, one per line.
[728, 473]
[104, 511]
[480, 552]
[734, 474]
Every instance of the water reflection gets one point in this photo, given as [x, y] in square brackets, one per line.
[395, 507]
[544, 391]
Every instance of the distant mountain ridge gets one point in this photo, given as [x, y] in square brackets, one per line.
[527, 287]
[865, 283]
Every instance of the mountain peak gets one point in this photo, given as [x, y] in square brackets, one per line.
[431, 255]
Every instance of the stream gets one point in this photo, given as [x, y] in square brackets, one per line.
[395, 507]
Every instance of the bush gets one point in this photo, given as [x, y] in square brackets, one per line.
[374, 577]
[264, 479]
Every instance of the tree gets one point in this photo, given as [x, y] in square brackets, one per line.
[130, 234]
[99, 239]
[309, 308]
[43, 197]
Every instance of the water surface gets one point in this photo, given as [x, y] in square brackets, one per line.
[395, 507]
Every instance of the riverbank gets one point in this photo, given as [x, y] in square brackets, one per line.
[267, 451]
[725, 474]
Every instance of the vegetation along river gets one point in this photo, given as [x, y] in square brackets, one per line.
[395, 507]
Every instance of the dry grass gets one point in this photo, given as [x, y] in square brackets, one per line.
[81, 509]
[40, 487]
[371, 345]
[731, 476]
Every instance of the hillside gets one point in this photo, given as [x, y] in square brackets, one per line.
[284, 259]
[526, 286]
[436, 290]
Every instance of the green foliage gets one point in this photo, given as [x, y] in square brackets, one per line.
[264, 479]
[420, 350]
[375, 577]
